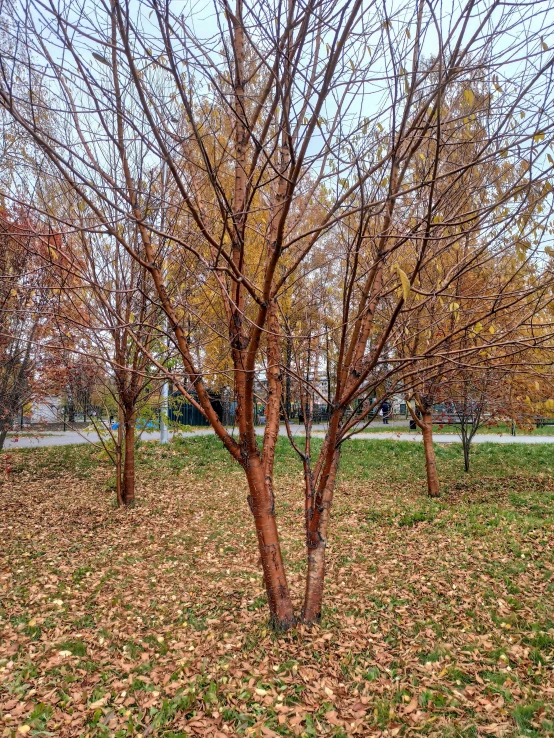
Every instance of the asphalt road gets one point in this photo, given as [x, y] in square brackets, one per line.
[71, 437]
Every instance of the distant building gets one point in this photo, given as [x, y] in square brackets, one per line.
[47, 410]
[399, 406]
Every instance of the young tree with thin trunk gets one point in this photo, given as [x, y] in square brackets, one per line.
[422, 414]
[508, 389]
[107, 331]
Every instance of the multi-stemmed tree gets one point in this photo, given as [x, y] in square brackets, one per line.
[290, 135]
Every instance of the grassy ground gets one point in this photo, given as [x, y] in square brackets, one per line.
[502, 428]
[439, 615]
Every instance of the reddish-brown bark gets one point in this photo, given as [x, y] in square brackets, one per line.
[316, 540]
[262, 506]
[425, 423]
[430, 460]
[128, 486]
[242, 206]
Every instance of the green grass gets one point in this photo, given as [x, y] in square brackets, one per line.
[361, 459]
[446, 605]
[498, 429]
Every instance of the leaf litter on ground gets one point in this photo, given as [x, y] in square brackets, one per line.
[439, 616]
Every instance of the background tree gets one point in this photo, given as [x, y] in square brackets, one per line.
[107, 339]
[503, 391]
[25, 295]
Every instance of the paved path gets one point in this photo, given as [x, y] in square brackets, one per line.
[70, 437]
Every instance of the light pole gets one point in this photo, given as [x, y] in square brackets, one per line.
[164, 434]
[164, 412]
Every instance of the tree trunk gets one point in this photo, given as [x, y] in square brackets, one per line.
[465, 444]
[430, 460]
[128, 491]
[316, 545]
[3, 433]
[262, 506]
[118, 477]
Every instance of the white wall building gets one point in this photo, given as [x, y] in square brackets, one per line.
[48, 410]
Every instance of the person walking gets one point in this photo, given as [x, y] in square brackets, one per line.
[385, 412]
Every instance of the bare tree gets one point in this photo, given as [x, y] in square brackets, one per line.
[106, 336]
[25, 296]
[291, 133]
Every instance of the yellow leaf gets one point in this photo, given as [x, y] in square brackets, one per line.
[538, 137]
[491, 329]
[544, 44]
[24, 729]
[469, 96]
[405, 283]
[408, 34]
[478, 327]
